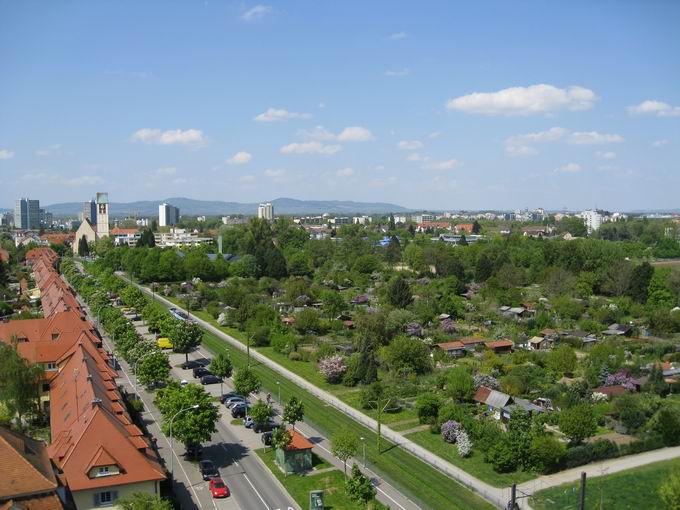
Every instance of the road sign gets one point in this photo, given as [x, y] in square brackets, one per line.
[315, 500]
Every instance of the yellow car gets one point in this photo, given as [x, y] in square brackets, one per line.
[164, 343]
[127, 309]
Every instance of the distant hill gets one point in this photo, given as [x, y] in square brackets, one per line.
[191, 207]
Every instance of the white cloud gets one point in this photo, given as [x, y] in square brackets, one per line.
[345, 172]
[593, 138]
[310, 148]
[655, 143]
[255, 13]
[396, 36]
[535, 99]
[442, 165]
[240, 158]
[410, 145]
[605, 155]
[279, 114]
[355, 134]
[317, 133]
[246, 179]
[165, 171]
[398, 72]
[47, 151]
[523, 145]
[570, 168]
[6, 154]
[171, 137]
[416, 156]
[653, 107]
[274, 172]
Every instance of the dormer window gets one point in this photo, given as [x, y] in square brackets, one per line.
[103, 471]
[55, 336]
[50, 367]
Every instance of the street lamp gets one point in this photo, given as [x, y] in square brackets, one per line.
[363, 443]
[135, 368]
[278, 385]
[172, 452]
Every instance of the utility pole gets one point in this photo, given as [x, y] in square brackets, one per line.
[380, 408]
[582, 498]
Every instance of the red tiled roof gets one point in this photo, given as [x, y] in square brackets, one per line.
[499, 343]
[298, 441]
[482, 394]
[123, 231]
[610, 391]
[448, 346]
[472, 340]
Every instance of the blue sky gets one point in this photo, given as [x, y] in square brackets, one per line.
[447, 105]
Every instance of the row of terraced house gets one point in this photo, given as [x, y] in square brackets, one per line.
[96, 451]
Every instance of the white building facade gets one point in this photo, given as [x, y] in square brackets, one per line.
[168, 215]
[266, 211]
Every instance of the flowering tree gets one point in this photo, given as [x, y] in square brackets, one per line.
[488, 381]
[463, 443]
[448, 326]
[333, 368]
[621, 377]
[598, 397]
[450, 430]
[414, 329]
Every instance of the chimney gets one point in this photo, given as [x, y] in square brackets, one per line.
[96, 402]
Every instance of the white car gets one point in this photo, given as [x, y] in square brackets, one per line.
[183, 382]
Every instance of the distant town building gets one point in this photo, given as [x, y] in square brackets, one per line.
[90, 212]
[234, 220]
[422, 218]
[6, 219]
[361, 220]
[593, 220]
[340, 220]
[46, 218]
[266, 211]
[142, 222]
[168, 215]
[401, 219]
[125, 236]
[85, 230]
[27, 214]
[102, 215]
[178, 237]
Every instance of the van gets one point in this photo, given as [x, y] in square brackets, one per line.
[164, 343]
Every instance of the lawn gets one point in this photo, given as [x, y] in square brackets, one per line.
[399, 467]
[474, 464]
[627, 490]
[331, 482]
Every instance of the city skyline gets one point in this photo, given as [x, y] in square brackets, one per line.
[432, 108]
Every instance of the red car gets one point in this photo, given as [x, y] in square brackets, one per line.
[218, 488]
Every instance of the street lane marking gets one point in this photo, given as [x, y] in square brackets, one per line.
[246, 477]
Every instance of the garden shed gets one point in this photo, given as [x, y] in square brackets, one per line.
[297, 457]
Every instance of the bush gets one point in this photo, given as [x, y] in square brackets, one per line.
[546, 453]
[653, 442]
[578, 456]
[261, 336]
[333, 368]
[502, 456]
[351, 378]
[295, 356]
[450, 430]
[604, 449]
[284, 344]
[427, 407]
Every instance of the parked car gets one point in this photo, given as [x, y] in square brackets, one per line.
[239, 410]
[264, 427]
[231, 402]
[200, 372]
[183, 382]
[193, 451]
[218, 489]
[248, 422]
[208, 469]
[210, 379]
[225, 396]
[266, 438]
[190, 365]
[164, 343]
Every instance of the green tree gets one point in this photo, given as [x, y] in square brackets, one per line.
[427, 407]
[153, 368]
[293, 411]
[561, 360]
[483, 268]
[143, 501]
[83, 247]
[187, 337]
[669, 491]
[246, 381]
[194, 425]
[359, 486]
[344, 445]
[399, 292]
[459, 384]
[639, 281]
[146, 239]
[578, 422]
[393, 251]
[546, 453]
[476, 227]
[20, 382]
[222, 367]
[408, 355]
[307, 320]
[261, 412]
[281, 438]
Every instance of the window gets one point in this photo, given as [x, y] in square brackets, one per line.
[103, 471]
[50, 366]
[106, 498]
[55, 336]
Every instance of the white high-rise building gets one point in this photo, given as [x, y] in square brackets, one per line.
[592, 219]
[266, 211]
[102, 215]
[168, 215]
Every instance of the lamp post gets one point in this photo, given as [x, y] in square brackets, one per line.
[278, 385]
[172, 452]
[363, 443]
[135, 368]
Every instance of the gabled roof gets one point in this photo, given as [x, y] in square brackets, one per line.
[298, 441]
[499, 343]
[472, 340]
[450, 346]
[25, 467]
